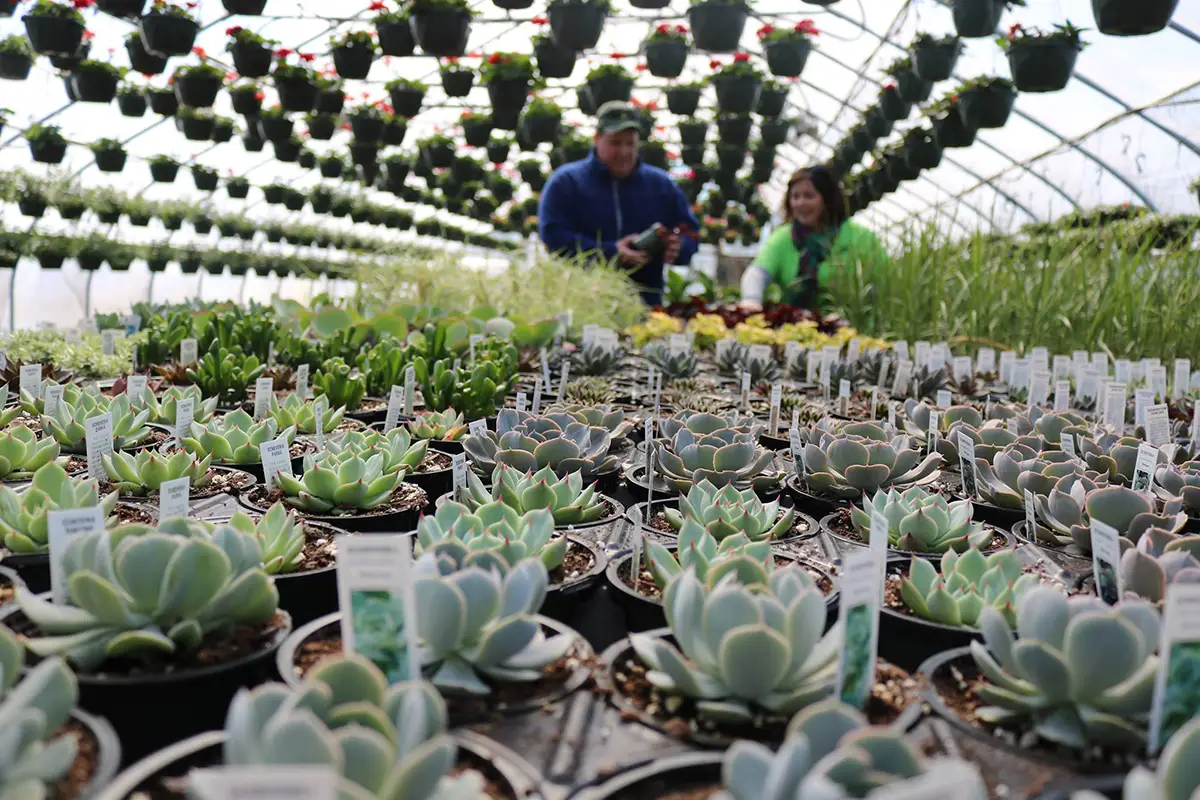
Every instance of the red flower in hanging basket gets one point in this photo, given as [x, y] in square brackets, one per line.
[664, 29]
[307, 58]
[642, 67]
[283, 52]
[539, 20]
[231, 76]
[617, 56]
[681, 29]
[83, 3]
[378, 5]
[259, 96]
[201, 52]
[652, 105]
[890, 86]
[234, 31]
[807, 27]
[741, 58]
[765, 31]
[88, 35]
[714, 64]
[494, 58]
[451, 59]
[1014, 30]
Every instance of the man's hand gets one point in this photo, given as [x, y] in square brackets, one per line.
[628, 256]
[673, 240]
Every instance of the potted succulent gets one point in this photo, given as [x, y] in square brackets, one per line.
[140, 59]
[737, 84]
[508, 77]
[717, 25]
[609, 82]
[197, 124]
[666, 50]
[163, 168]
[251, 52]
[986, 102]
[54, 28]
[163, 101]
[16, 58]
[552, 61]
[441, 27]
[1125, 18]
[577, 24]
[131, 99]
[1039, 61]
[976, 19]
[541, 120]
[295, 82]
[169, 29]
[47, 145]
[457, 79]
[787, 49]
[934, 57]
[684, 98]
[109, 154]
[406, 95]
[353, 54]
[395, 32]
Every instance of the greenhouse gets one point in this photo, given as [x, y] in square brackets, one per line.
[599, 399]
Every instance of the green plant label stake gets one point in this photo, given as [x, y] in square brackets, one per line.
[302, 381]
[1106, 561]
[173, 498]
[776, 399]
[264, 390]
[135, 389]
[51, 397]
[966, 462]
[1158, 425]
[1181, 381]
[276, 458]
[375, 594]
[99, 441]
[1176, 691]
[291, 782]
[858, 615]
[30, 379]
[1062, 395]
[61, 525]
[522, 401]
[185, 413]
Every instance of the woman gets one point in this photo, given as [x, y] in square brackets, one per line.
[802, 256]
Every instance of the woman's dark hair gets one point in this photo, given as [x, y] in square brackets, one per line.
[827, 184]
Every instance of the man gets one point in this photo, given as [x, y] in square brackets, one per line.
[601, 204]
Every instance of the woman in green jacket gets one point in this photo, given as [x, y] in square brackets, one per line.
[802, 256]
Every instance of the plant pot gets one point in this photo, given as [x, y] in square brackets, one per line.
[734, 130]
[163, 102]
[238, 191]
[330, 101]
[362, 154]
[977, 19]
[717, 26]
[576, 26]
[1069, 558]
[1042, 65]
[442, 31]
[893, 107]
[143, 61]
[1132, 17]
[683, 775]
[396, 39]
[908, 641]
[251, 60]
[771, 103]
[197, 91]
[877, 125]
[252, 142]
[497, 153]
[15, 66]
[407, 101]
[540, 129]
[507, 99]
[923, 152]
[196, 129]
[554, 61]
[164, 173]
[122, 8]
[476, 134]
[607, 88]
[296, 94]
[365, 128]
[246, 103]
[322, 127]
[132, 105]
[457, 82]
[276, 129]
[353, 62]
[405, 520]
[94, 86]
[512, 5]
[987, 106]
[935, 62]
[250, 8]
[737, 95]
[845, 541]
[110, 160]
[666, 59]
[786, 59]
[48, 152]
[954, 132]
[165, 35]
[332, 168]
[53, 35]
[774, 132]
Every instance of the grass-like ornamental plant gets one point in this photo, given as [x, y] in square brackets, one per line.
[1160, 559]
[1081, 672]
[568, 500]
[741, 651]
[233, 438]
[861, 459]
[705, 447]
[162, 410]
[751, 562]
[446, 426]
[475, 624]
[555, 440]
[147, 471]
[492, 532]
[23, 517]
[922, 521]
[957, 594]
[150, 595]
[302, 415]
[1071, 506]
[67, 426]
[728, 511]
[22, 453]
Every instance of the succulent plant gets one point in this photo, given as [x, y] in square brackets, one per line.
[796, 366]
[989, 440]
[68, 428]
[926, 382]
[340, 387]
[969, 386]
[916, 418]
[302, 414]
[743, 651]
[233, 438]
[35, 406]
[162, 410]
[147, 471]
[739, 358]
[446, 426]
[1050, 425]
[142, 595]
[1074, 502]
[860, 459]
[673, 364]
[922, 521]
[383, 741]
[476, 391]
[730, 359]
[23, 517]
[750, 562]
[491, 533]
[1004, 479]
[343, 481]
[383, 366]
[966, 583]
[568, 500]
[8, 413]
[37, 707]
[598, 359]
[727, 511]
[1182, 481]
[808, 411]
[615, 421]
[1112, 456]
[475, 624]
[699, 447]
[1080, 672]
[22, 453]
[1174, 778]
[1160, 559]
[225, 374]
[589, 391]
[555, 440]
[397, 447]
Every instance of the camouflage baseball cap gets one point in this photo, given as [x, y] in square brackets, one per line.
[616, 116]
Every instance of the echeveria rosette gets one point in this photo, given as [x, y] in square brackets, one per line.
[921, 521]
[24, 523]
[142, 595]
[1114, 457]
[568, 500]
[1176, 776]
[1069, 508]
[699, 451]
[528, 443]
[728, 511]
[302, 414]
[328, 484]
[674, 364]
[36, 406]
[446, 426]
[399, 452]
[598, 359]
[67, 424]
[989, 440]
[1182, 481]
[492, 531]
[958, 593]
[234, 438]
[740, 651]
[1160, 559]
[22, 453]
[615, 421]
[860, 458]
[9, 413]
[701, 423]
[1051, 425]
[750, 562]
[916, 418]
[1080, 672]
[163, 410]
[147, 471]
[1004, 478]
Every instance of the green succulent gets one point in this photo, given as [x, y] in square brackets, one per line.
[1111, 456]
[146, 472]
[23, 517]
[334, 484]
[673, 364]
[280, 537]
[743, 651]
[1174, 778]
[1003, 480]
[1080, 672]
[476, 391]
[741, 358]
[615, 421]
[916, 419]
[233, 438]
[807, 411]
[922, 521]
[446, 426]
[860, 459]
[339, 386]
[589, 391]
[555, 440]
[36, 406]
[989, 440]
[1160, 559]
[1071, 505]
[226, 374]
[926, 383]
[699, 447]
[598, 359]
[148, 595]
[728, 511]
[8, 413]
[399, 452]
[1182, 481]
[492, 536]
[796, 366]
[697, 550]
[22, 453]
[568, 500]
[383, 366]
[1050, 425]
[966, 583]
[302, 414]
[162, 410]
[67, 424]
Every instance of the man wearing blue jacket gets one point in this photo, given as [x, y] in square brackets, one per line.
[601, 204]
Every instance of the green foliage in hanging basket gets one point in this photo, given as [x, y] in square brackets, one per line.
[163, 8]
[803, 31]
[50, 8]
[299, 71]
[45, 134]
[387, 16]
[929, 40]
[1020, 36]
[406, 83]
[106, 146]
[741, 67]
[984, 82]
[163, 160]
[542, 107]
[16, 45]
[506, 67]
[246, 37]
[357, 39]
[608, 71]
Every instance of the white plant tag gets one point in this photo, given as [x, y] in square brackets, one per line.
[1062, 396]
[1100, 362]
[1011, 425]
[944, 398]
[474, 339]
[1062, 367]
[678, 343]
[1180, 639]
[522, 401]
[189, 351]
[62, 525]
[746, 390]
[537, 396]
[854, 349]
[1142, 399]
[891, 419]
[637, 541]
[1123, 370]
[30, 381]
[931, 435]
[173, 498]
[900, 348]
[108, 342]
[1039, 387]
[51, 398]
[900, 384]
[410, 387]
[135, 388]
[797, 447]
[562, 381]
[1181, 382]
[589, 332]
[884, 369]
[874, 403]
[1007, 359]
[264, 390]
[952, 780]
[1039, 357]
[1158, 425]
[843, 397]
[878, 544]
[1156, 379]
[74, 336]
[545, 361]
[1114, 406]
[395, 400]
[276, 458]
[1079, 362]
[1030, 518]
[921, 353]
[966, 461]
[477, 427]
[185, 414]
[1106, 561]
[1195, 429]
[375, 589]
[962, 367]
[458, 467]
[812, 367]
[319, 425]
[271, 352]
[291, 782]
[858, 613]
[1143, 470]
[1089, 384]
[1067, 442]
[302, 381]
[986, 360]
[776, 399]
[99, 440]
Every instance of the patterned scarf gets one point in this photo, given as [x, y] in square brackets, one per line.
[814, 247]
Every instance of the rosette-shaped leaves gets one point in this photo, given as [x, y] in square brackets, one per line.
[492, 533]
[966, 584]
[1080, 672]
[742, 651]
[280, 535]
[916, 418]
[701, 423]
[1069, 508]
[728, 511]
[528, 442]
[67, 423]
[1177, 776]
[921, 521]
[1111, 456]
[147, 471]
[599, 359]
[616, 422]
[233, 438]
[400, 453]
[673, 364]
[150, 595]
[567, 499]
[333, 481]
[9, 413]
[1182, 481]
[473, 623]
[22, 453]
[1159, 559]
[861, 459]
[1004, 478]
[36, 406]
[751, 562]
[302, 414]
[1050, 425]
[23, 517]
[988, 440]
[448, 425]
[162, 410]
[703, 449]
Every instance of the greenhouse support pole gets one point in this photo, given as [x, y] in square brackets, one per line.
[200, 287]
[87, 294]
[150, 291]
[12, 300]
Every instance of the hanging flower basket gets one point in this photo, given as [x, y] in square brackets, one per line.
[322, 126]
[911, 88]
[541, 121]
[666, 51]
[717, 25]
[237, 188]
[332, 167]
[252, 142]
[513, 5]
[54, 29]
[774, 132]
[95, 82]
[772, 99]
[296, 93]
[933, 58]
[692, 154]
[140, 60]
[222, 130]
[577, 24]
[122, 8]
[251, 53]
[90, 258]
[195, 127]
[275, 127]
[650, 4]
[953, 131]
[987, 103]
[46, 144]
[441, 30]
[693, 132]
[507, 97]
[877, 125]
[330, 100]
[498, 150]
[17, 60]
[366, 124]
[164, 169]
[288, 151]
[1132, 17]
[921, 148]
[683, 100]
[457, 81]
[552, 61]
[110, 159]
[787, 49]
[584, 100]
[394, 130]
[477, 128]
[353, 55]
[1042, 62]
[246, 100]
[737, 85]
[892, 105]
[395, 34]
[246, 8]
[168, 31]
[197, 86]
[437, 151]
[205, 179]
[734, 129]
[976, 19]
[654, 154]
[132, 102]
[609, 82]
[406, 96]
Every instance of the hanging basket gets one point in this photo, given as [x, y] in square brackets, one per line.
[683, 101]
[877, 125]
[654, 154]
[442, 31]
[111, 160]
[330, 101]
[987, 106]
[15, 66]
[166, 35]
[238, 190]
[204, 181]
[542, 128]
[53, 35]
[666, 59]
[693, 132]
[122, 8]
[585, 101]
[506, 119]
[912, 89]
[508, 98]
[406, 100]
[737, 95]
[1042, 65]
[576, 25]
[774, 132]
[922, 150]
[977, 19]
[322, 127]
[396, 38]
[787, 58]
[142, 61]
[892, 106]
[734, 130]
[457, 82]
[94, 85]
[89, 259]
[32, 206]
[132, 104]
[609, 87]
[513, 5]
[394, 131]
[253, 143]
[650, 4]
[353, 61]
[276, 129]
[296, 94]
[163, 102]
[251, 60]
[438, 156]
[249, 8]
[1132, 17]
[222, 131]
[476, 134]
[365, 128]
[953, 131]
[246, 103]
[771, 102]
[332, 167]
[287, 152]
[197, 91]
[196, 129]
[692, 155]
[717, 26]
[164, 173]
[935, 62]
[497, 152]
[554, 61]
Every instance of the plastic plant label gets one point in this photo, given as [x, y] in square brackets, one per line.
[1062, 395]
[1030, 518]
[1039, 357]
[903, 377]
[1067, 443]
[900, 348]
[61, 526]
[477, 427]
[891, 419]
[829, 357]
[99, 439]
[30, 380]
[1195, 429]
[797, 448]
[1143, 470]
[458, 468]
[133, 359]
[1039, 387]
[1106, 561]
[1142, 399]
[746, 390]
[319, 425]
[878, 543]
[985, 360]
[264, 390]
[1007, 359]
[51, 398]
[795, 418]
[173, 498]
[650, 373]
[874, 404]
[545, 361]
[108, 342]
[962, 367]
[276, 458]
[270, 352]
[589, 333]
[1089, 384]
[722, 346]
[302, 381]
[843, 389]
[944, 398]
[1100, 362]
[522, 401]
[3, 358]
[189, 351]
[74, 336]
[1061, 368]
[952, 780]
[812, 368]
[1158, 425]
[1080, 360]
[410, 387]
[536, 408]
[776, 399]
[562, 381]
[1022, 374]
[1181, 381]
[1123, 370]
[474, 339]
[966, 461]
[1114, 406]
[858, 613]
[135, 388]
[884, 369]
[1174, 689]
[921, 353]
[375, 595]
[637, 544]
[395, 399]
[185, 413]
[1156, 379]
[931, 435]
[291, 782]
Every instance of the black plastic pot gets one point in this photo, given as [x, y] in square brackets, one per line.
[407, 101]
[166, 35]
[1070, 558]
[877, 125]
[276, 129]
[396, 39]
[554, 61]
[197, 91]
[365, 128]
[734, 130]
[132, 104]
[512, 5]
[296, 94]
[774, 132]
[238, 190]
[250, 8]
[246, 103]
[507, 99]
[322, 127]
[953, 131]
[576, 26]
[53, 35]
[122, 8]
[845, 541]
[541, 128]
[196, 129]
[330, 101]
[893, 107]
[31, 570]
[787, 58]
[143, 61]
[976, 19]
[1132, 17]
[987, 106]
[15, 66]
[94, 85]
[907, 641]
[353, 62]
[736, 95]
[666, 59]
[912, 89]
[663, 777]
[935, 62]
[683, 101]
[1042, 65]
[110, 160]
[251, 60]
[771, 103]
[923, 151]
[606, 88]
[717, 26]
[164, 173]
[163, 102]
[457, 82]
[48, 152]
[442, 31]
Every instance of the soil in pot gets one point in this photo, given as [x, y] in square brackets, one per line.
[97, 757]
[399, 513]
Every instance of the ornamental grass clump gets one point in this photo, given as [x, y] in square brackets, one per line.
[922, 521]
[1067, 513]
[567, 499]
[861, 459]
[557, 441]
[22, 453]
[492, 536]
[957, 594]
[233, 438]
[702, 447]
[24, 523]
[147, 471]
[728, 511]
